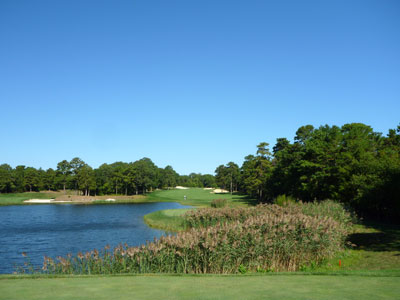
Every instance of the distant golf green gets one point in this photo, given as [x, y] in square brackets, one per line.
[199, 197]
[202, 287]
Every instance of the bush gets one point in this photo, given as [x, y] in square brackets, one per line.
[283, 200]
[218, 203]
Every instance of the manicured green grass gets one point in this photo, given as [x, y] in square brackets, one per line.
[19, 198]
[376, 247]
[203, 287]
[167, 219]
[199, 197]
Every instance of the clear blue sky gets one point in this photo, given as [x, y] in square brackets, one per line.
[192, 84]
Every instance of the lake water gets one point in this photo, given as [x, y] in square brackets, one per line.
[56, 230]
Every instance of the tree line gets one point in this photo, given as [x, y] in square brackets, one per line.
[123, 178]
[352, 164]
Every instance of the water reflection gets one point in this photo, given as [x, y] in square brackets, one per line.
[54, 230]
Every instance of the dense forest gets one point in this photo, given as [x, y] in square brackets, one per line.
[137, 177]
[351, 164]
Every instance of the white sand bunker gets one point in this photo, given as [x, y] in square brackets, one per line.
[219, 191]
[39, 201]
[181, 187]
[109, 199]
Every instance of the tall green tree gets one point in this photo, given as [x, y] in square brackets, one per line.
[63, 172]
[117, 175]
[103, 176]
[145, 171]
[6, 179]
[31, 179]
[19, 178]
[168, 177]
[208, 181]
[129, 179]
[221, 176]
[86, 179]
[256, 172]
[76, 164]
[227, 176]
[49, 179]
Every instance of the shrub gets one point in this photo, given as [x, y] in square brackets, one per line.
[218, 203]
[283, 200]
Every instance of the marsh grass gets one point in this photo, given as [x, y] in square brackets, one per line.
[227, 240]
[218, 203]
[325, 209]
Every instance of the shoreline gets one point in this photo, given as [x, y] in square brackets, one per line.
[37, 198]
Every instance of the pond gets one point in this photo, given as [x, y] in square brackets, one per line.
[56, 230]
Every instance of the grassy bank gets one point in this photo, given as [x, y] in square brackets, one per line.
[375, 247]
[194, 196]
[167, 219]
[69, 197]
[19, 198]
[352, 286]
[199, 197]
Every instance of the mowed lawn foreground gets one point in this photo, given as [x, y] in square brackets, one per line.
[203, 287]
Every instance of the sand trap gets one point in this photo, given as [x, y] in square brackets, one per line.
[39, 201]
[220, 191]
[181, 188]
[109, 199]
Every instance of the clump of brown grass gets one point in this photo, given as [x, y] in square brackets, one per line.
[218, 203]
[210, 217]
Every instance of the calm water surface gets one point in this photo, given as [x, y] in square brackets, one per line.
[54, 230]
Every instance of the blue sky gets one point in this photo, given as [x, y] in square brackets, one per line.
[192, 84]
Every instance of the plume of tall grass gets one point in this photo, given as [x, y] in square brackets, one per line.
[328, 208]
[218, 203]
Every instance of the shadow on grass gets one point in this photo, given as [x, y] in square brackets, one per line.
[378, 237]
[245, 199]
